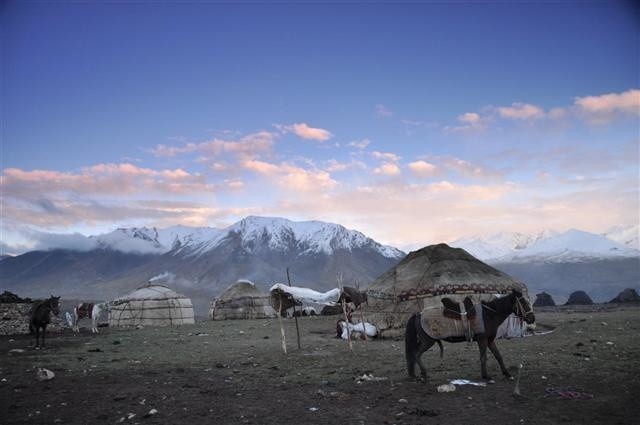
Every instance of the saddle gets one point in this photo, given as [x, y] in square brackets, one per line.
[84, 310]
[457, 311]
[453, 320]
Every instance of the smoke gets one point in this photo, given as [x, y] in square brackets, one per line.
[166, 276]
[171, 279]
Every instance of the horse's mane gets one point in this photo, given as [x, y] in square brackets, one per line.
[501, 305]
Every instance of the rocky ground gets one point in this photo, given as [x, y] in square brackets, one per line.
[585, 372]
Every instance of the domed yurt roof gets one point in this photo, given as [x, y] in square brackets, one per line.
[579, 298]
[151, 305]
[628, 295]
[151, 292]
[242, 300]
[424, 276]
[544, 300]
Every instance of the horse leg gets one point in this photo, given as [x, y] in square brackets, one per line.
[482, 345]
[494, 349]
[44, 331]
[37, 337]
[425, 343]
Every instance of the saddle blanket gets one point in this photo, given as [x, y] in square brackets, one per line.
[437, 326]
[84, 310]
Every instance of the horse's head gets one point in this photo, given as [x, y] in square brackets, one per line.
[54, 303]
[521, 307]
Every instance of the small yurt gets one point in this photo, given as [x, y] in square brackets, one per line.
[544, 300]
[579, 298]
[151, 305]
[427, 275]
[242, 300]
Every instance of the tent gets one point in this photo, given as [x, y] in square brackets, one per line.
[579, 298]
[425, 276]
[151, 305]
[629, 295]
[544, 300]
[242, 300]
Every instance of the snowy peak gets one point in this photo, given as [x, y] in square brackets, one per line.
[306, 236]
[570, 246]
[140, 240]
[628, 236]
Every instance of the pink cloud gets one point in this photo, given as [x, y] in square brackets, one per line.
[388, 169]
[304, 131]
[423, 168]
[603, 108]
[521, 111]
[249, 145]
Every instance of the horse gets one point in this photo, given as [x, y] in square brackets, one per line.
[493, 313]
[41, 317]
[90, 311]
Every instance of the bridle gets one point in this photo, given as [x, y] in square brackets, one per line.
[521, 312]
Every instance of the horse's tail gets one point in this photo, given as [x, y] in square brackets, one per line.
[411, 343]
[441, 348]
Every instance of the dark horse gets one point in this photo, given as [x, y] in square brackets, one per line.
[494, 312]
[41, 317]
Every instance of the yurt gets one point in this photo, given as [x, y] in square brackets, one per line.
[151, 305]
[242, 300]
[544, 300]
[424, 277]
[579, 298]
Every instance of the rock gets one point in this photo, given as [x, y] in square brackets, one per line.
[446, 388]
[44, 374]
[150, 413]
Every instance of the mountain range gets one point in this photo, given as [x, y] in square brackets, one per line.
[203, 261]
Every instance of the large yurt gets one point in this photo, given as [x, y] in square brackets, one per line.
[424, 277]
[151, 305]
[242, 300]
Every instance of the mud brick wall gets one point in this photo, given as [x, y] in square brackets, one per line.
[14, 319]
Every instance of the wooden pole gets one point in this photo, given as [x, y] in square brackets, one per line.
[346, 323]
[294, 311]
[364, 328]
[284, 341]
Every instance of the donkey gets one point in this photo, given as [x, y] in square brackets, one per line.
[41, 317]
[90, 311]
[493, 313]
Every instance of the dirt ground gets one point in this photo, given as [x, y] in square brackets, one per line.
[235, 372]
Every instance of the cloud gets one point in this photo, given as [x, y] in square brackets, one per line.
[470, 122]
[360, 144]
[385, 156]
[249, 145]
[423, 168]
[102, 179]
[292, 177]
[304, 131]
[602, 109]
[521, 111]
[388, 169]
[382, 111]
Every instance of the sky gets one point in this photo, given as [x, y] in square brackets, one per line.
[412, 122]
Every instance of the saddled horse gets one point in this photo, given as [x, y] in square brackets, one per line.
[490, 314]
[41, 317]
[89, 311]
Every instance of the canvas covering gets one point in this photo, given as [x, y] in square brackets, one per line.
[242, 300]
[425, 276]
[151, 305]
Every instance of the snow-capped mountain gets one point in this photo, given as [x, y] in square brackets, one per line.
[572, 245]
[203, 261]
[628, 236]
[307, 237]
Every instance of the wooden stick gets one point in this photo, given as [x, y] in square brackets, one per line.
[294, 311]
[284, 341]
[346, 323]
